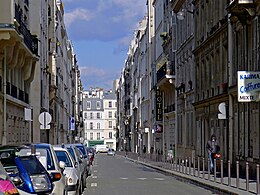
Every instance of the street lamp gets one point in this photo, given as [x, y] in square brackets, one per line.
[181, 14]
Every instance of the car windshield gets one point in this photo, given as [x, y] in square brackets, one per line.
[82, 149]
[31, 166]
[72, 153]
[43, 155]
[63, 156]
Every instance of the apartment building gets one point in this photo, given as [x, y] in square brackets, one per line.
[202, 55]
[99, 117]
[18, 57]
[39, 74]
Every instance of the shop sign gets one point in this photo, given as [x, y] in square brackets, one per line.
[248, 84]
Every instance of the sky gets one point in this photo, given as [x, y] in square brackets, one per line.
[101, 31]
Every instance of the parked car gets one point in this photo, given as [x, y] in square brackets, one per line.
[72, 170]
[46, 155]
[111, 152]
[27, 173]
[84, 151]
[81, 162]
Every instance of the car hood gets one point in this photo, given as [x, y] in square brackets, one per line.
[72, 173]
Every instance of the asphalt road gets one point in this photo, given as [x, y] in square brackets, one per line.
[115, 175]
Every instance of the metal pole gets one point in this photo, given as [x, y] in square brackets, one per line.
[215, 169]
[198, 166]
[257, 179]
[237, 181]
[203, 167]
[247, 176]
[208, 169]
[229, 174]
[189, 165]
[186, 165]
[194, 167]
[221, 171]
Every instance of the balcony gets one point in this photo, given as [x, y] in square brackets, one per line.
[242, 9]
[165, 73]
[16, 93]
[170, 108]
[30, 41]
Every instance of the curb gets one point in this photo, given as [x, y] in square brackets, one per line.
[209, 185]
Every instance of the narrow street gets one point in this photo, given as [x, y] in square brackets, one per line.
[117, 175]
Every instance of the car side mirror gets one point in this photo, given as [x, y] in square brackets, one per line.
[76, 165]
[62, 165]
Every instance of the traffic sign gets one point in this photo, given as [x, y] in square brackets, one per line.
[45, 119]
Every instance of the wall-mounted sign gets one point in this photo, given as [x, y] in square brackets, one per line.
[159, 106]
[248, 84]
[159, 128]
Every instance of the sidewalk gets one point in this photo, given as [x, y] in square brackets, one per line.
[208, 181]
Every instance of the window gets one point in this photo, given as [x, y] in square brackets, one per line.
[98, 115]
[91, 125]
[98, 104]
[109, 124]
[98, 125]
[85, 115]
[91, 136]
[91, 115]
[98, 136]
[110, 135]
[110, 104]
[110, 114]
[88, 104]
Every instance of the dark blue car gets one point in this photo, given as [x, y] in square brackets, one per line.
[27, 173]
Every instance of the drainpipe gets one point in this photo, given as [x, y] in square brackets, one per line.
[231, 99]
[4, 101]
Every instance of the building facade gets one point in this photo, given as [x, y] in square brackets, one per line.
[38, 73]
[99, 116]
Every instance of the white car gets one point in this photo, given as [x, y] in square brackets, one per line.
[46, 155]
[72, 172]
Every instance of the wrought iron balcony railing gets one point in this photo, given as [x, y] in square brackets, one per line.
[30, 41]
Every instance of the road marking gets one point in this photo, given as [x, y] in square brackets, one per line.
[124, 178]
[160, 179]
[95, 171]
[93, 184]
[94, 177]
[142, 178]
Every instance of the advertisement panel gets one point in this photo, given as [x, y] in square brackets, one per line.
[248, 84]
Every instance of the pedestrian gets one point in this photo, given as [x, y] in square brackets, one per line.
[213, 148]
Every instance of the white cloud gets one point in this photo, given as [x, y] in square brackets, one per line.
[76, 15]
[92, 71]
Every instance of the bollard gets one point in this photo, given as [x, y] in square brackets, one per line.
[257, 179]
[198, 166]
[179, 165]
[221, 171]
[247, 176]
[208, 169]
[237, 166]
[229, 174]
[186, 166]
[194, 166]
[215, 170]
[203, 168]
[189, 165]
